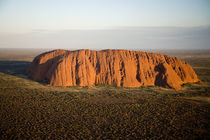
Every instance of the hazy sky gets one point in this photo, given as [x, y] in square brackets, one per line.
[105, 23]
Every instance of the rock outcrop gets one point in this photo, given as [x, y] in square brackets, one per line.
[113, 67]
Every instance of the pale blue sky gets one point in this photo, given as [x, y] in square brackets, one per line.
[43, 19]
[27, 15]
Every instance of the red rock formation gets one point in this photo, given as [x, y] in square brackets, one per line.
[113, 67]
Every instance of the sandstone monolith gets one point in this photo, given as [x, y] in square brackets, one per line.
[113, 67]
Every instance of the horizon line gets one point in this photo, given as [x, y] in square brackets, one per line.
[101, 28]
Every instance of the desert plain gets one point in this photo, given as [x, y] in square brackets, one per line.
[31, 109]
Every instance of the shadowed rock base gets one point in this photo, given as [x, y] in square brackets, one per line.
[113, 67]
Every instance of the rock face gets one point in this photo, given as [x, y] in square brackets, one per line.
[113, 67]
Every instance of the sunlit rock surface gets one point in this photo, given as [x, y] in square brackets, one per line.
[113, 67]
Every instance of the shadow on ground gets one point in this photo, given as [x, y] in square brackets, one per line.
[17, 68]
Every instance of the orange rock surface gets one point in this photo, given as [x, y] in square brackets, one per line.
[113, 67]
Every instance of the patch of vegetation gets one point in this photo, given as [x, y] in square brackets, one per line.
[29, 109]
[100, 112]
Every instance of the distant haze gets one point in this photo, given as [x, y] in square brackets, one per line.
[105, 24]
[124, 38]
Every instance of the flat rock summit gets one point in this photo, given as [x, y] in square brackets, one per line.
[113, 67]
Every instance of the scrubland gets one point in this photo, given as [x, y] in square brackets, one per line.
[33, 110]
